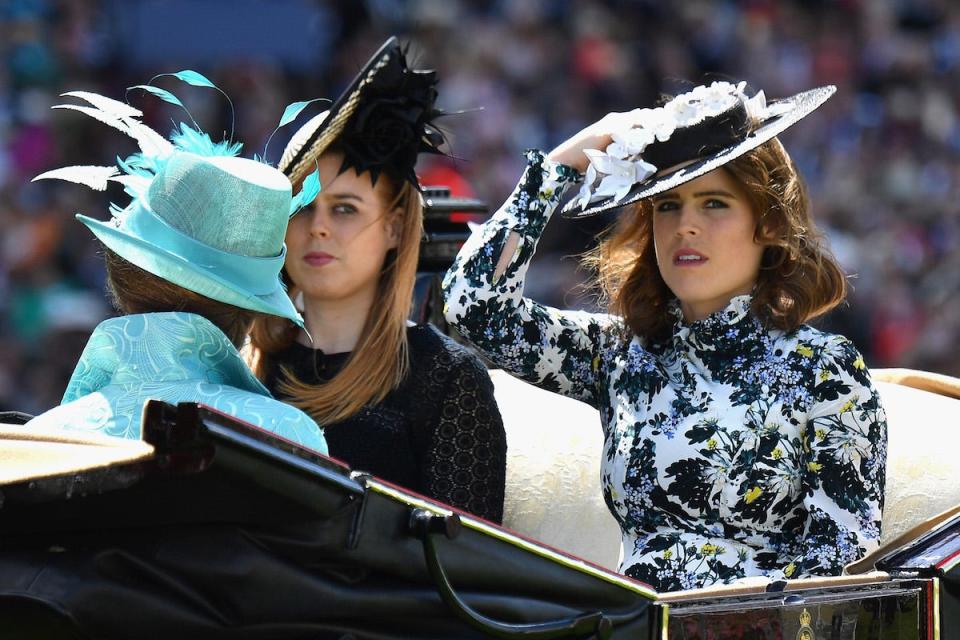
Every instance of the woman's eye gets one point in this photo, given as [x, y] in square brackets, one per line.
[666, 205]
[713, 203]
[344, 209]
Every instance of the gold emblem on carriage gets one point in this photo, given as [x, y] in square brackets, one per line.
[806, 631]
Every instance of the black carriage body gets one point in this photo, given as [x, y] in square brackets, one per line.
[228, 532]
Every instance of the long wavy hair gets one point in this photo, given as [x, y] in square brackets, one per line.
[380, 360]
[799, 278]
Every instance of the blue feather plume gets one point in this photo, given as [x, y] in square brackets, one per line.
[309, 191]
[196, 141]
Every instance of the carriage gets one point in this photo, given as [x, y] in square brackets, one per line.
[212, 528]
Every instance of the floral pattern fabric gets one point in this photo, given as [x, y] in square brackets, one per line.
[174, 357]
[730, 450]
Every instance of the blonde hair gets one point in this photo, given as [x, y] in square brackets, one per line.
[380, 360]
[799, 279]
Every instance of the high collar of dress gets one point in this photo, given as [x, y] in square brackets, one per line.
[720, 331]
[159, 348]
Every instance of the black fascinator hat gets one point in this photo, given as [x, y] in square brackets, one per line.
[655, 150]
[381, 122]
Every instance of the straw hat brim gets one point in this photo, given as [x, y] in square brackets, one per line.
[311, 140]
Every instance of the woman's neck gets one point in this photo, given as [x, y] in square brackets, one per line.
[335, 325]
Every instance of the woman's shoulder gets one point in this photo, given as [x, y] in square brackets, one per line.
[833, 354]
[429, 347]
[440, 366]
[833, 345]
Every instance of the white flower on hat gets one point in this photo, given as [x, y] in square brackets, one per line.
[613, 171]
[636, 139]
[705, 102]
[685, 112]
[585, 196]
[756, 106]
[604, 163]
[758, 109]
[618, 174]
[661, 122]
[618, 151]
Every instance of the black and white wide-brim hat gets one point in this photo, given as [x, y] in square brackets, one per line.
[655, 150]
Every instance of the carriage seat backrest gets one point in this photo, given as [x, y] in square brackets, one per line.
[923, 477]
[28, 453]
[553, 472]
[554, 447]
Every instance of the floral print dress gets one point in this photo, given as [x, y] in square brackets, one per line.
[730, 450]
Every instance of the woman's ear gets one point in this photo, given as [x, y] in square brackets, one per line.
[395, 227]
[766, 233]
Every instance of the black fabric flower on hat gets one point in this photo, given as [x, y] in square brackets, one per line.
[392, 122]
[380, 123]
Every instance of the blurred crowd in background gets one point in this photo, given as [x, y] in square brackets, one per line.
[882, 158]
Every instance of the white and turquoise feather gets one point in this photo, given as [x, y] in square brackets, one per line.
[137, 171]
[92, 176]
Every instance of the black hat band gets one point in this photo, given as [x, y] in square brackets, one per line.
[701, 139]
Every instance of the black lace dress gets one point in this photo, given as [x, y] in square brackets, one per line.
[439, 433]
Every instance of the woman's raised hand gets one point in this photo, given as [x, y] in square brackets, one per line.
[596, 136]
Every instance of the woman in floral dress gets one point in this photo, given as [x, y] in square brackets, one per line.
[739, 441]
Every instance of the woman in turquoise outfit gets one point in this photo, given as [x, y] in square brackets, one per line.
[191, 261]
[738, 440]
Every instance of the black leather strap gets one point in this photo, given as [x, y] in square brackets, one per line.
[427, 526]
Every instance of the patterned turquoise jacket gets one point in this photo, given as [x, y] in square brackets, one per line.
[174, 357]
[730, 449]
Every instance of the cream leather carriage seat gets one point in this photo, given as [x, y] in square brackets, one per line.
[553, 461]
[28, 452]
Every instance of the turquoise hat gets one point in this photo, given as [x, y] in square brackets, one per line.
[200, 217]
[214, 226]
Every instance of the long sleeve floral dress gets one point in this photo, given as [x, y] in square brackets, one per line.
[730, 450]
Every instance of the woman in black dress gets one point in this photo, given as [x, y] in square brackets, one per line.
[401, 401]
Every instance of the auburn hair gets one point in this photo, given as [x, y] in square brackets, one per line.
[133, 290]
[380, 360]
[799, 279]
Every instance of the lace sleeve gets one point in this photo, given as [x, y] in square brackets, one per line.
[466, 459]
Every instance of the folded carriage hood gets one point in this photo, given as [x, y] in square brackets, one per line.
[227, 532]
